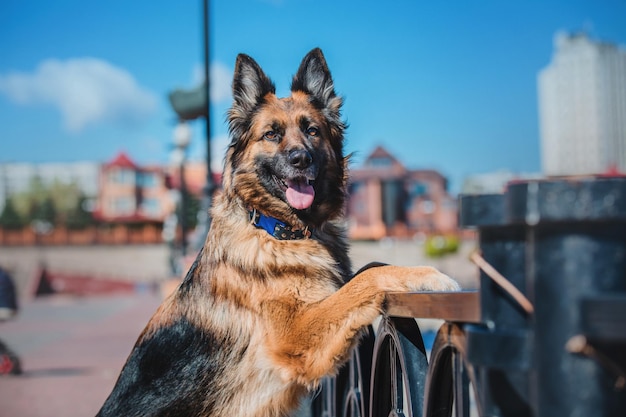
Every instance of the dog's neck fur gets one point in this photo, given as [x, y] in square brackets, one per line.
[234, 240]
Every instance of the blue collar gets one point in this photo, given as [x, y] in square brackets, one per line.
[276, 228]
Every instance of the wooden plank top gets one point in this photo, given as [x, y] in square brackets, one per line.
[462, 306]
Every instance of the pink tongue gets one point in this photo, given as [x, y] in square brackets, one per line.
[300, 195]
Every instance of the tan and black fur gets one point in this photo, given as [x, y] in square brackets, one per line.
[258, 321]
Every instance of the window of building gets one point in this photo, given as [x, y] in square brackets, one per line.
[122, 176]
[151, 207]
[122, 206]
[380, 162]
[418, 189]
[393, 202]
[148, 179]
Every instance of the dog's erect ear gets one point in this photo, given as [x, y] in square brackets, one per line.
[313, 77]
[250, 84]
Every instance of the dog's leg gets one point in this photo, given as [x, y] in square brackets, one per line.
[318, 337]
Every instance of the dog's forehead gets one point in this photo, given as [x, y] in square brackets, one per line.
[288, 109]
[297, 100]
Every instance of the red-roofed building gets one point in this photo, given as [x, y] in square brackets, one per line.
[130, 193]
[388, 200]
[121, 160]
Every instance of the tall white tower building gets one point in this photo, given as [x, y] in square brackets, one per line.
[582, 107]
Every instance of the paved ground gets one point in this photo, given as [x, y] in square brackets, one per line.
[73, 348]
[146, 263]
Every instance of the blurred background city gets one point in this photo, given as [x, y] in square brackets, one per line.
[109, 151]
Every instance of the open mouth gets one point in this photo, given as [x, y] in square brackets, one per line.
[298, 190]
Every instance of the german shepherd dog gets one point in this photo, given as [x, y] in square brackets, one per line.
[270, 306]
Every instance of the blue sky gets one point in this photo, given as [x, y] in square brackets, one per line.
[445, 85]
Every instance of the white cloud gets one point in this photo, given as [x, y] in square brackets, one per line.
[86, 91]
[221, 78]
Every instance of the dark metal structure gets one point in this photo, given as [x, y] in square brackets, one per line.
[193, 104]
[546, 334]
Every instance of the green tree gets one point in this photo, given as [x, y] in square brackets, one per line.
[55, 202]
[44, 211]
[66, 195]
[437, 246]
[79, 217]
[10, 218]
[27, 201]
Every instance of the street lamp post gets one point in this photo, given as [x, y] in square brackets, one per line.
[204, 218]
[182, 138]
[193, 104]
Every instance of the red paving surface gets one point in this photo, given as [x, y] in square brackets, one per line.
[72, 349]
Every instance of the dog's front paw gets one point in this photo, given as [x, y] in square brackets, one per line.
[426, 278]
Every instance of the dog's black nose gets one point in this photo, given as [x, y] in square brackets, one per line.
[300, 158]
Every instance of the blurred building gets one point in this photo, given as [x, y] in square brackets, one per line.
[582, 107]
[389, 200]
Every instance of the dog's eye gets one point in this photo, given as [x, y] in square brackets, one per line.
[271, 135]
[312, 131]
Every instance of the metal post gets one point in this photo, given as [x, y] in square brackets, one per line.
[182, 138]
[183, 209]
[193, 104]
[204, 217]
